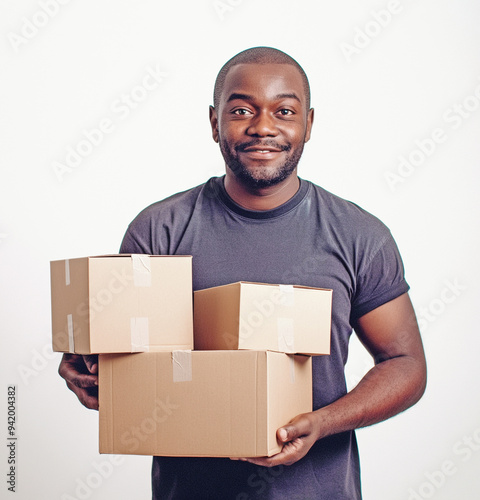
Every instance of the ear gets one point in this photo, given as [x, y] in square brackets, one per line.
[309, 124]
[214, 123]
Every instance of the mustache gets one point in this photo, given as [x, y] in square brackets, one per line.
[269, 143]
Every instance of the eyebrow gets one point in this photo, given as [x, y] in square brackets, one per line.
[247, 97]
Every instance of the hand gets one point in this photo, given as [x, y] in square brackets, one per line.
[81, 375]
[298, 436]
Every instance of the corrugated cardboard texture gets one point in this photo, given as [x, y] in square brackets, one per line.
[231, 407]
[117, 307]
[261, 316]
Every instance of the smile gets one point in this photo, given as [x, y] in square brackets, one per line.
[261, 150]
[262, 154]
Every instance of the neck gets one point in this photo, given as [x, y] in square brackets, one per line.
[261, 199]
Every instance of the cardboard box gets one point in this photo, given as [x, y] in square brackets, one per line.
[200, 403]
[243, 315]
[122, 303]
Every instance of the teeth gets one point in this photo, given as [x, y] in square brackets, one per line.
[261, 150]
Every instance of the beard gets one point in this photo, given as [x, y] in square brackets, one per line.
[262, 175]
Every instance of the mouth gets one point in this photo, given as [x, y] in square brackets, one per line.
[262, 152]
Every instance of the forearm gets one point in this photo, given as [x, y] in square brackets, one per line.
[387, 389]
[396, 382]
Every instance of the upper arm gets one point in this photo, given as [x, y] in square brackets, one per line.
[391, 331]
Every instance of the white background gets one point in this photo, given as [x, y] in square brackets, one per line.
[375, 95]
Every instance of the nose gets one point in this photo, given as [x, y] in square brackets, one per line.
[262, 125]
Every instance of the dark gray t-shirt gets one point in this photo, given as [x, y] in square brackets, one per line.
[315, 239]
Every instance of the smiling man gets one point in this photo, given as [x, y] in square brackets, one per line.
[261, 222]
[261, 145]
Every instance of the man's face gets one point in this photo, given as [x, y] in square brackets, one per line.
[262, 122]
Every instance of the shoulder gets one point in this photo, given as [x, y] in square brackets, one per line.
[151, 230]
[176, 203]
[346, 216]
[174, 210]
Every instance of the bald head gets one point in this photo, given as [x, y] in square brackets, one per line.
[258, 55]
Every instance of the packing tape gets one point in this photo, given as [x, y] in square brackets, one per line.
[139, 334]
[142, 274]
[288, 294]
[285, 334]
[67, 272]
[71, 338]
[292, 368]
[182, 366]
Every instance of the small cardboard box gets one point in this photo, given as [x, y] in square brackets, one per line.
[244, 315]
[122, 303]
[200, 403]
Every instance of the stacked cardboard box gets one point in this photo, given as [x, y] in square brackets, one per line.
[200, 403]
[122, 303]
[283, 318]
[249, 374]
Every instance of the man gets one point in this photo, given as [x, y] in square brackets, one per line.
[261, 222]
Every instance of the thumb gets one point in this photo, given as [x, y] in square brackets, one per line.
[283, 434]
[297, 428]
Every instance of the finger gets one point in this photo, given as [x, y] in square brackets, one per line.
[262, 462]
[71, 363]
[69, 370]
[65, 368]
[88, 399]
[83, 380]
[287, 456]
[283, 434]
[278, 459]
[91, 362]
[298, 427]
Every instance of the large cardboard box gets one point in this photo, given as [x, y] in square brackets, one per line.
[122, 303]
[200, 403]
[244, 315]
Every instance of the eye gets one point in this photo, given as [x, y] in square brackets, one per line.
[286, 112]
[241, 112]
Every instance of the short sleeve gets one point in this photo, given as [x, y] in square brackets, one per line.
[136, 239]
[382, 280]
